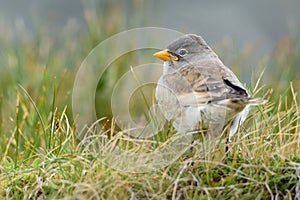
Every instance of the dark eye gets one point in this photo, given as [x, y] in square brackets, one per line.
[183, 52]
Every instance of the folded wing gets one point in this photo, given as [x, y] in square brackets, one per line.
[206, 82]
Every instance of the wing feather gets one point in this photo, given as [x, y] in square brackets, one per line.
[205, 82]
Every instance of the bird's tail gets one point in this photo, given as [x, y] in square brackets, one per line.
[249, 101]
[257, 101]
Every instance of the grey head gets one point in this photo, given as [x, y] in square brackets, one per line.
[190, 48]
[187, 49]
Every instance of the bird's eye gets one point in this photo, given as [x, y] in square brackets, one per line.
[183, 52]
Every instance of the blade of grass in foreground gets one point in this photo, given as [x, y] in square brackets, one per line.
[38, 113]
[53, 113]
[17, 130]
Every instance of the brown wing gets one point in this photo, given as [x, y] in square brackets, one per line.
[205, 82]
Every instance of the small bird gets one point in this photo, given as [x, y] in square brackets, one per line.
[198, 92]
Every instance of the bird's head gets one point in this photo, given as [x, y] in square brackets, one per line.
[187, 49]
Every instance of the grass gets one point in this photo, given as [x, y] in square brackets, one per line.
[42, 157]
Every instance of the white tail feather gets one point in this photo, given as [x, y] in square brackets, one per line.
[257, 101]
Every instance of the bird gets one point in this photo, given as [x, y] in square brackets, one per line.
[198, 92]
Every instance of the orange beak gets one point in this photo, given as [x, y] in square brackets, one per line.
[165, 55]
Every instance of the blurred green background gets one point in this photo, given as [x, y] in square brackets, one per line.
[42, 42]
